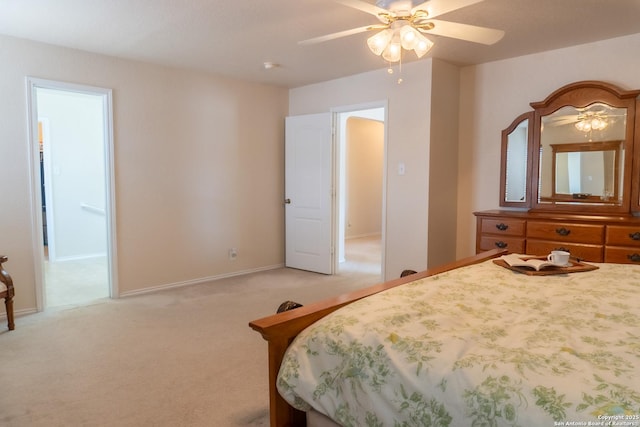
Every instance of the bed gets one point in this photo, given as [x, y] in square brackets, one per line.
[467, 344]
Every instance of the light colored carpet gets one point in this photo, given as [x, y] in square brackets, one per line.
[182, 357]
[77, 281]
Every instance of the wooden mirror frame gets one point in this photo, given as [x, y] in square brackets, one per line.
[635, 176]
[580, 95]
[503, 161]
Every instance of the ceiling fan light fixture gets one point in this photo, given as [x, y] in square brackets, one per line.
[591, 121]
[423, 46]
[390, 42]
[393, 52]
[598, 123]
[583, 126]
[379, 41]
[409, 37]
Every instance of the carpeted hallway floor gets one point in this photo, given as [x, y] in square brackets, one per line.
[182, 357]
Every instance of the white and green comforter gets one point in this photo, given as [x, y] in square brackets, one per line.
[478, 346]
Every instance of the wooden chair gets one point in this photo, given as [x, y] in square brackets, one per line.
[7, 292]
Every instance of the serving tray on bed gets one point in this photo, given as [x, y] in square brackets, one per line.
[574, 267]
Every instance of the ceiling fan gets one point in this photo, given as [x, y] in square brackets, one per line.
[595, 116]
[403, 25]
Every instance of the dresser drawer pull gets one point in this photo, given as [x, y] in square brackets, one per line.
[502, 226]
[501, 244]
[635, 236]
[563, 231]
[634, 257]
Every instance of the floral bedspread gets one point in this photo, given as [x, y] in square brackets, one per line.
[477, 346]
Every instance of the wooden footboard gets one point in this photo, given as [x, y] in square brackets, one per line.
[280, 329]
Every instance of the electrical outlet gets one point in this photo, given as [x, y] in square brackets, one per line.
[233, 254]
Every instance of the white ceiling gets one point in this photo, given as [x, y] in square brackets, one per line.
[235, 37]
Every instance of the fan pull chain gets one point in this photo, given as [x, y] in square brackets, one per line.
[390, 70]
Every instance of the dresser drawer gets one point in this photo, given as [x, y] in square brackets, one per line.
[506, 226]
[566, 232]
[498, 242]
[623, 235]
[593, 253]
[622, 255]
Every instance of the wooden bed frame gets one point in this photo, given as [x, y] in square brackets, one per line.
[280, 329]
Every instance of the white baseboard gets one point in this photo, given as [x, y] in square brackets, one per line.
[198, 281]
[360, 236]
[17, 313]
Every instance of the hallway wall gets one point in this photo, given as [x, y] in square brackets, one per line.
[74, 150]
[364, 159]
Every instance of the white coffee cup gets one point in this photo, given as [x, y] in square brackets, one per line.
[559, 257]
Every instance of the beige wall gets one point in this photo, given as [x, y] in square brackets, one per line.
[198, 167]
[493, 94]
[364, 159]
[443, 164]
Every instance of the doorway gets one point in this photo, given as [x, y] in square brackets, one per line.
[317, 194]
[360, 205]
[73, 205]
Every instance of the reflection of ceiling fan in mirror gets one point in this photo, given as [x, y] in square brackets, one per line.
[596, 116]
[403, 25]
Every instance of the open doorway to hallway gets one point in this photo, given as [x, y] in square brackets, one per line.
[363, 255]
[361, 147]
[76, 282]
[73, 185]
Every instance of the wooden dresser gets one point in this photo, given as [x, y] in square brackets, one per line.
[595, 238]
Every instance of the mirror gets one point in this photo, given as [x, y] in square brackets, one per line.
[587, 171]
[574, 152]
[516, 162]
[583, 143]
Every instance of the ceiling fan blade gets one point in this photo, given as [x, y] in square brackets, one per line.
[363, 6]
[339, 34]
[564, 121]
[466, 32]
[440, 7]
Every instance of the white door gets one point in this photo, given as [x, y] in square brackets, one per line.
[308, 192]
